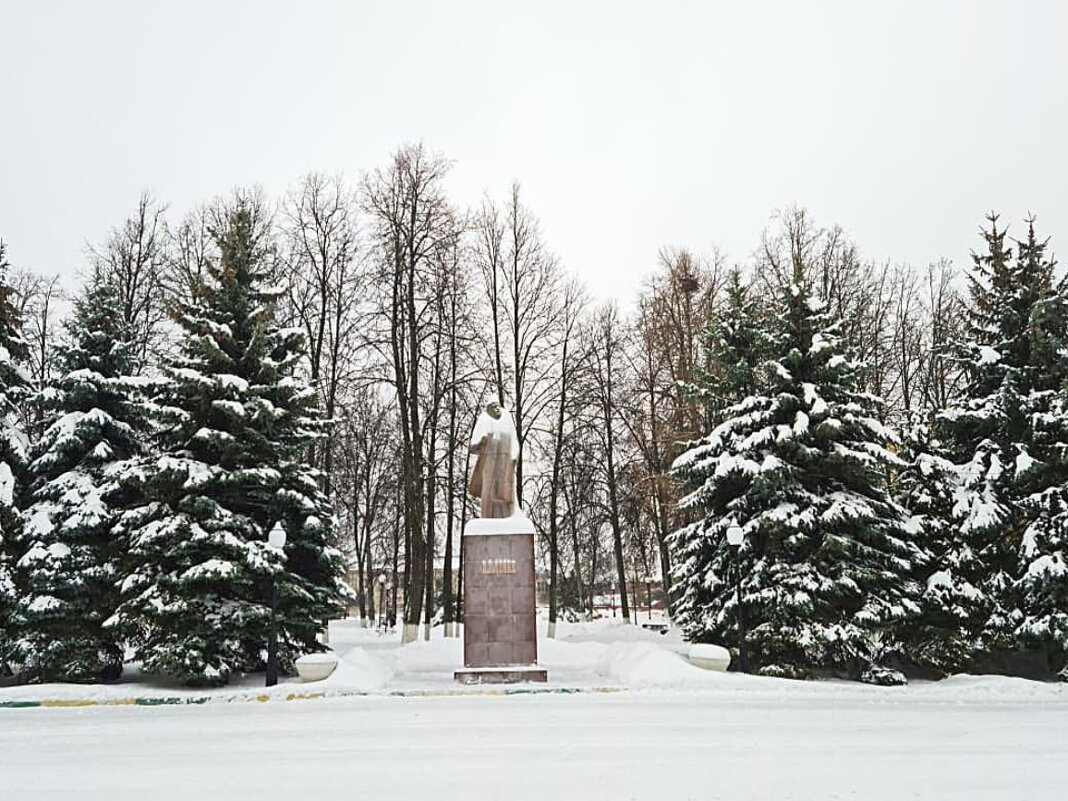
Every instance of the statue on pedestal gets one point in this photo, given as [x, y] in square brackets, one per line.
[497, 449]
[500, 589]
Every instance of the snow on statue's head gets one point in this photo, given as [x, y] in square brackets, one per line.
[496, 421]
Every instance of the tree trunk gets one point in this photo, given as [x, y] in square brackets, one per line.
[554, 493]
[613, 492]
[431, 504]
[370, 577]
[450, 478]
[360, 586]
[463, 525]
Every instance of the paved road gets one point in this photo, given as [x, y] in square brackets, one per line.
[618, 746]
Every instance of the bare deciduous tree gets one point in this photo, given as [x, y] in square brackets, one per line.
[523, 284]
[365, 479]
[569, 363]
[323, 288]
[189, 252]
[134, 260]
[412, 221]
[607, 361]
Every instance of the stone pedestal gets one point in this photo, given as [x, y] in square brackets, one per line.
[500, 635]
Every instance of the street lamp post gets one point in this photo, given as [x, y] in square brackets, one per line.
[389, 596]
[277, 540]
[735, 538]
[381, 600]
[649, 596]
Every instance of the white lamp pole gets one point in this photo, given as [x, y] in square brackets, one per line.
[276, 539]
[735, 538]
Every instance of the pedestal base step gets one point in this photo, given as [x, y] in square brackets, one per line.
[501, 675]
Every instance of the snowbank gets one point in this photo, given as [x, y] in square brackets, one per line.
[586, 656]
[358, 670]
[640, 665]
[614, 630]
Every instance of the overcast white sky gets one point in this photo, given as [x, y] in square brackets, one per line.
[630, 125]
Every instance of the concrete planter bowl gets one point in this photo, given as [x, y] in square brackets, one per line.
[316, 667]
[709, 657]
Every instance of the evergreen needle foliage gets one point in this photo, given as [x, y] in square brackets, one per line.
[1008, 435]
[237, 427]
[70, 565]
[800, 463]
[14, 389]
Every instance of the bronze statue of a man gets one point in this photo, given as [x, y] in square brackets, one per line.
[497, 449]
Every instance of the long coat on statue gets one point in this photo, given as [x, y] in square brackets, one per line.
[493, 478]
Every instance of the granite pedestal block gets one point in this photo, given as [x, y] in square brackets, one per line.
[500, 633]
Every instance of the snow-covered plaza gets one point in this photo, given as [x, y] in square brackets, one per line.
[623, 716]
[469, 400]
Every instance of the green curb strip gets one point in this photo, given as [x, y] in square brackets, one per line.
[73, 703]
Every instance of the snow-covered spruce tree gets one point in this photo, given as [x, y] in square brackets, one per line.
[238, 426]
[1041, 589]
[736, 339]
[991, 432]
[14, 389]
[69, 568]
[800, 465]
[943, 636]
[737, 343]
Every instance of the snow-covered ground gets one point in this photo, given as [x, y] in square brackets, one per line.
[603, 654]
[667, 730]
